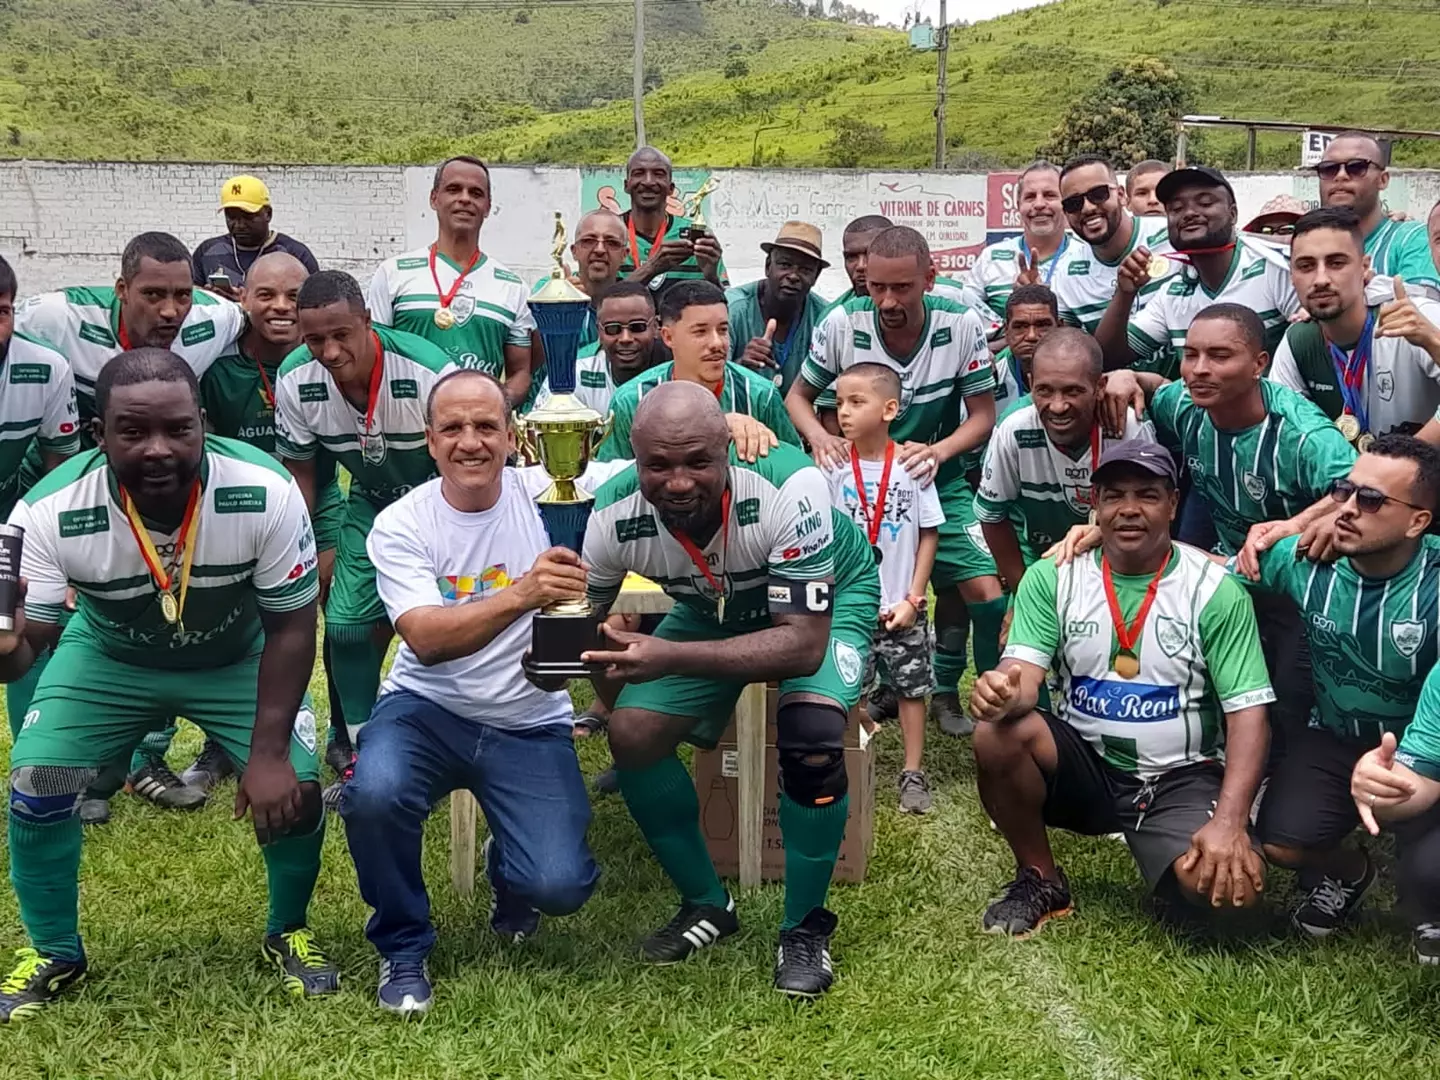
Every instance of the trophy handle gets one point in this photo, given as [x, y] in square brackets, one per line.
[525, 443]
[599, 434]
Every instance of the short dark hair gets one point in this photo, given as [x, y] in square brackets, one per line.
[465, 373]
[688, 294]
[881, 375]
[1340, 218]
[466, 158]
[1426, 459]
[1070, 337]
[1036, 294]
[624, 290]
[142, 365]
[330, 287]
[1079, 161]
[899, 241]
[160, 246]
[868, 223]
[1242, 318]
[1149, 165]
[9, 286]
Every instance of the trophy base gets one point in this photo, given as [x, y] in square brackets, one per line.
[556, 642]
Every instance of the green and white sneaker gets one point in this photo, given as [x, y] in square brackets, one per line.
[35, 982]
[304, 969]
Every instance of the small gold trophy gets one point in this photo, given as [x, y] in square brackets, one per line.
[562, 435]
[695, 210]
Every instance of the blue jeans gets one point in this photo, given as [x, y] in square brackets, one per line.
[412, 753]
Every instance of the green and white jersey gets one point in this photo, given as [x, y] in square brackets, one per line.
[1265, 473]
[1420, 746]
[1258, 279]
[1084, 282]
[1402, 249]
[971, 296]
[84, 325]
[689, 270]
[254, 549]
[997, 267]
[37, 408]
[311, 414]
[1402, 381]
[491, 309]
[1372, 640]
[781, 525]
[743, 391]
[594, 385]
[1199, 653]
[1008, 390]
[949, 363]
[1043, 488]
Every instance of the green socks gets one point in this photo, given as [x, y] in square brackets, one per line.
[987, 618]
[45, 871]
[662, 801]
[356, 669]
[952, 632]
[812, 837]
[292, 865]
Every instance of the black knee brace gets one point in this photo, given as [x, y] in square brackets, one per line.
[811, 741]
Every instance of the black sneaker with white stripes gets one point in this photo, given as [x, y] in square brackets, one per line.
[1331, 903]
[693, 927]
[156, 783]
[802, 962]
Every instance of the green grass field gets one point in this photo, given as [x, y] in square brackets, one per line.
[172, 910]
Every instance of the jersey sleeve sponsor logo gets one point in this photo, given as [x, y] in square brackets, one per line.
[193, 335]
[1079, 268]
[91, 519]
[506, 275]
[941, 337]
[1124, 700]
[301, 568]
[314, 391]
[404, 388]
[635, 528]
[68, 427]
[1407, 637]
[97, 335]
[411, 264]
[779, 594]
[790, 553]
[808, 525]
[1000, 254]
[593, 379]
[1081, 628]
[247, 499]
[29, 373]
[862, 340]
[747, 511]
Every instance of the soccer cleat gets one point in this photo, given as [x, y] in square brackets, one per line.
[156, 783]
[946, 711]
[509, 917]
[331, 795]
[1427, 943]
[94, 811]
[208, 770]
[1332, 903]
[304, 969]
[693, 927]
[882, 705]
[1027, 904]
[607, 782]
[404, 986]
[339, 756]
[914, 792]
[35, 982]
[802, 962]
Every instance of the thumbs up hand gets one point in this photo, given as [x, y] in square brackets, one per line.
[1377, 783]
[759, 352]
[1400, 318]
[996, 694]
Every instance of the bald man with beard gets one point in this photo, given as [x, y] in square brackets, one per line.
[770, 584]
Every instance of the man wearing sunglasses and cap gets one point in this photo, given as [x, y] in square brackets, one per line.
[222, 262]
[1352, 173]
[1373, 629]
[1221, 267]
[772, 319]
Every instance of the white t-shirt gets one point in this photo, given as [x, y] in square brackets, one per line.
[908, 509]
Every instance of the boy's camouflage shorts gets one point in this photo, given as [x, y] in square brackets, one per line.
[904, 659]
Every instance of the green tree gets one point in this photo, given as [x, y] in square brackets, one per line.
[855, 142]
[1130, 115]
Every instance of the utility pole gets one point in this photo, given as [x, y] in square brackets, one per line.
[942, 79]
[639, 74]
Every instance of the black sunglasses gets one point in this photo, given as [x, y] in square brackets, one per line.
[1356, 167]
[1097, 195]
[635, 326]
[1368, 499]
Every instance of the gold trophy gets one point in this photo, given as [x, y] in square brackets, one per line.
[694, 210]
[562, 435]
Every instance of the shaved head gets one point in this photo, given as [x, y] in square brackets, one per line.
[676, 409]
[278, 264]
[601, 218]
[270, 297]
[648, 155]
[681, 443]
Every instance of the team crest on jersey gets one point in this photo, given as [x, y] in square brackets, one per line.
[702, 586]
[463, 306]
[1385, 384]
[847, 661]
[1254, 485]
[1171, 635]
[1407, 637]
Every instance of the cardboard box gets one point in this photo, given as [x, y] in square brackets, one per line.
[718, 787]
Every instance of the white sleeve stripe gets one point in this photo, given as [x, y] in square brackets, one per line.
[1026, 654]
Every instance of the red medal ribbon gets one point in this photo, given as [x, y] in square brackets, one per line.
[698, 557]
[121, 336]
[267, 392]
[147, 546]
[1126, 636]
[872, 525]
[1094, 463]
[635, 241]
[377, 373]
[446, 297]
[1184, 256]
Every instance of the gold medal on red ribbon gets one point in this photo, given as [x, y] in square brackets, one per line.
[171, 609]
[1349, 426]
[697, 557]
[444, 318]
[1126, 663]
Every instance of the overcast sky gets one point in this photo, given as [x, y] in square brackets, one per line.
[972, 10]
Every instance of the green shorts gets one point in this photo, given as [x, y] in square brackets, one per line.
[329, 516]
[711, 701]
[354, 598]
[963, 553]
[91, 709]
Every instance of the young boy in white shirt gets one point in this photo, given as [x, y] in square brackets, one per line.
[901, 519]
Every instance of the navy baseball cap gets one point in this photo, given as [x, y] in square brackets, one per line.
[1191, 176]
[1141, 453]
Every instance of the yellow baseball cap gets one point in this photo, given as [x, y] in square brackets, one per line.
[247, 193]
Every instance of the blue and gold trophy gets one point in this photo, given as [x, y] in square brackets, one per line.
[562, 434]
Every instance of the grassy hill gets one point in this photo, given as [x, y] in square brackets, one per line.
[736, 81]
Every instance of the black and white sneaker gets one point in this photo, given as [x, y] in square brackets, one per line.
[1427, 943]
[1332, 903]
[157, 783]
[510, 918]
[802, 962]
[950, 716]
[209, 769]
[1027, 904]
[693, 927]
